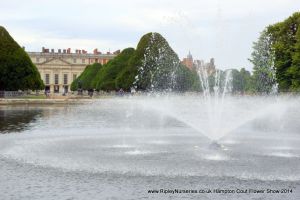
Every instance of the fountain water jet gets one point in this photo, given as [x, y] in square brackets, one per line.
[214, 97]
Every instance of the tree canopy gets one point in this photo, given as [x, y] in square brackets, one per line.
[105, 79]
[285, 45]
[86, 79]
[152, 66]
[17, 72]
[276, 57]
[242, 81]
[262, 59]
[157, 63]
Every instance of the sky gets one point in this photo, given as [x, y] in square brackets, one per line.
[222, 29]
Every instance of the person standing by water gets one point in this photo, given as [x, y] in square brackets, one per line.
[91, 92]
[47, 93]
[121, 92]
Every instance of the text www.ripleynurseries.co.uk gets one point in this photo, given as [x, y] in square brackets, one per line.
[221, 191]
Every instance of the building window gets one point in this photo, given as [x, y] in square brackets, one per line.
[74, 60]
[65, 79]
[47, 79]
[83, 60]
[56, 79]
[37, 59]
[74, 76]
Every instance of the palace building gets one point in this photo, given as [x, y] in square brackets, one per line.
[59, 69]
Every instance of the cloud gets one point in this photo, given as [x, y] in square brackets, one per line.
[224, 29]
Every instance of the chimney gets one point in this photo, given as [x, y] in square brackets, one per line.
[69, 50]
[52, 50]
[43, 49]
[64, 51]
[59, 50]
[96, 51]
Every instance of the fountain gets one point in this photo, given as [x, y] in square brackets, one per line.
[159, 72]
[214, 97]
[115, 143]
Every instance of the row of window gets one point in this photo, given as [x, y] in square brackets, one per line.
[74, 60]
[56, 79]
[104, 61]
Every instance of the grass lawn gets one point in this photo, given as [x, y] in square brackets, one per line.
[32, 97]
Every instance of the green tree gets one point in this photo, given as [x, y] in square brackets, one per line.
[186, 80]
[156, 63]
[106, 77]
[237, 81]
[246, 82]
[126, 77]
[241, 81]
[262, 59]
[295, 68]
[86, 78]
[285, 45]
[17, 72]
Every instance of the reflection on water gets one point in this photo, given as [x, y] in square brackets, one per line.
[20, 118]
[17, 120]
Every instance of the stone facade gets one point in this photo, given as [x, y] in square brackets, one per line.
[59, 69]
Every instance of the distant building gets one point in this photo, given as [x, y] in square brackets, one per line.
[188, 61]
[210, 67]
[59, 69]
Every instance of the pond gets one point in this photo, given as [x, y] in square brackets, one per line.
[152, 147]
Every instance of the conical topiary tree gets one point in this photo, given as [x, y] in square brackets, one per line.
[106, 77]
[155, 66]
[86, 80]
[157, 63]
[17, 72]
